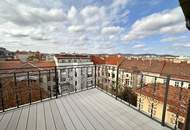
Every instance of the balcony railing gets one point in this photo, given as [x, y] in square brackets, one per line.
[27, 85]
[161, 98]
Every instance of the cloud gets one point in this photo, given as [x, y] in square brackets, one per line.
[93, 14]
[138, 46]
[175, 39]
[26, 15]
[76, 28]
[165, 22]
[111, 30]
[72, 13]
[119, 3]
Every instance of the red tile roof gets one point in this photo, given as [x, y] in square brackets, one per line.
[176, 70]
[111, 60]
[10, 66]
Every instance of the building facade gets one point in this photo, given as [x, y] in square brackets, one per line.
[75, 72]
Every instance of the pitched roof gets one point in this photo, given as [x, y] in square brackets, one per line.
[176, 70]
[16, 66]
[111, 60]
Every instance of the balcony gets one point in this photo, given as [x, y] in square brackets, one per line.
[90, 109]
[30, 103]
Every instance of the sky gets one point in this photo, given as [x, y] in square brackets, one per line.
[94, 26]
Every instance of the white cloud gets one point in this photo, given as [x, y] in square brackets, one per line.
[76, 28]
[26, 15]
[72, 13]
[118, 3]
[174, 39]
[169, 21]
[138, 46]
[93, 14]
[111, 30]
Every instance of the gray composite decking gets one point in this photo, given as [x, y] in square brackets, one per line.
[90, 109]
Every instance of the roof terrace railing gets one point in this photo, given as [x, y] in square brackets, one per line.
[24, 86]
[163, 99]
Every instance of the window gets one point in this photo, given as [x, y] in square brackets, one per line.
[177, 84]
[75, 74]
[152, 108]
[113, 82]
[127, 75]
[165, 81]
[75, 83]
[180, 125]
[140, 102]
[113, 75]
[172, 119]
[63, 79]
[189, 86]
[127, 82]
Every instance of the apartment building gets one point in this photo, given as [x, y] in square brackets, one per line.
[75, 72]
[154, 73]
[132, 68]
[149, 102]
[28, 55]
[22, 78]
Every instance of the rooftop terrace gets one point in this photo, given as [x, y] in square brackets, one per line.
[90, 109]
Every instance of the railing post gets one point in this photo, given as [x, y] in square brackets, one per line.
[15, 83]
[177, 114]
[165, 100]
[28, 80]
[95, 76]
[117, 82]
[2, 99]
[187, 124]
[153, 93]
[141, 83]
[39, 74]
[50, 82]
[56, 82]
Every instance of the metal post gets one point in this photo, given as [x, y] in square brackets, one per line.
[15, 82]
[39, 85]
[56, 82]
[177, 114]
[95, 76]
[165, 100]
[187, 124]
[117, 78]
[29, 87]
[50, 82]
[154, 90]
[2, 99]
[140, 91]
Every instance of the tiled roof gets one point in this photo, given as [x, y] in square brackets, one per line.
[10, 66]
[176, 70]
[111, 60]
[174, 102]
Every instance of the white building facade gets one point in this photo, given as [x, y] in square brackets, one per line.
[75, 72]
